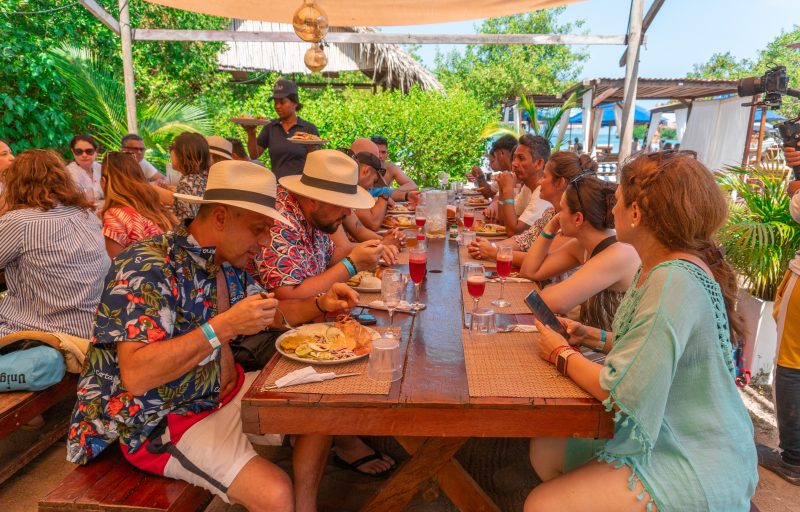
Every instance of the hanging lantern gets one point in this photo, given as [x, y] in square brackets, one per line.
[315, 58]
[310, 22]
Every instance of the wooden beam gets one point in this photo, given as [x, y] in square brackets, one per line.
[127, 66]
[635, 28]
[604, 95]
[143, 34]
[101, 14]
[648, 19]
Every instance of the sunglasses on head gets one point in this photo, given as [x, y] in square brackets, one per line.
[79, 152]
[574, 183]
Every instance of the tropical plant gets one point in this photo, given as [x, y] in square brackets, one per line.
[100, 95]
[543, 121]
[760, 236]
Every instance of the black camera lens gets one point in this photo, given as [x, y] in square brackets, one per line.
[750, 86]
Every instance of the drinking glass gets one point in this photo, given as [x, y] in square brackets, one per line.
[467, 237]
[384, 360]
[419, 218]
[505, 254]
[458, 187]
[444, 179]
[417, 266]
[475, 275]
[482, 321]
[469, 218]
[391, 292]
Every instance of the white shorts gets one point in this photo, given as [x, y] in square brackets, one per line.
[212, 452]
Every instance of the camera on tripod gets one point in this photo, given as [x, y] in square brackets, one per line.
[774, 84]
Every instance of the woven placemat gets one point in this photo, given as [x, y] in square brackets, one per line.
[356, 385]
[515, 293]
[464, 257]
[507, 365]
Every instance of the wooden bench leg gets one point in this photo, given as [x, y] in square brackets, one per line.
[405, 482]
[456, 482]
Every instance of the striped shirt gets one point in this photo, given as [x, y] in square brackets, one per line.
[55, 263]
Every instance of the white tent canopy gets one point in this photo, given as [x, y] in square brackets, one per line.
[367, 12]
[717, 131]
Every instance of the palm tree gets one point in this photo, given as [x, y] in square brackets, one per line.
[100, 94]
[760, 236]
[548, 124]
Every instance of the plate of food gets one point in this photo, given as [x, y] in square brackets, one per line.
[471, 192]
[248, 120]
[367, 280]
[483, 228]
[399, 221]
[309, 139]
[477, 201]
[400, 209]
[327, 343]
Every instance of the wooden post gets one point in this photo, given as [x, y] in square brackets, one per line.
[127, 65]
[761, 134]
[586, 124]
[746, 155]
[631, 79]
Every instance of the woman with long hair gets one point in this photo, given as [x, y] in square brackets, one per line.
[683, 439]
[561, 168]
[605, 267]
[191, 157]
[84, 168]
[50, 247]
[6, 159]
[132, 210]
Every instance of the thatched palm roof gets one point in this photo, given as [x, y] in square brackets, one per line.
[388, 65]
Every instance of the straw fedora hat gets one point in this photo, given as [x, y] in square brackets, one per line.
[220, 146]
[331, 177]
[242, 184]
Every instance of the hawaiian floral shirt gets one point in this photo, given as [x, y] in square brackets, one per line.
[157, 289]
[297, 250]
[192, 185]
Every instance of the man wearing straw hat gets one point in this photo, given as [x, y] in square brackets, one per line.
[310, 252]
[161, 376]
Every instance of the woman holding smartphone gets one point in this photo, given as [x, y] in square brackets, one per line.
[683, 439]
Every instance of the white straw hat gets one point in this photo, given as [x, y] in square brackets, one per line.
[331, 177]
[220, 146]
[242, 184]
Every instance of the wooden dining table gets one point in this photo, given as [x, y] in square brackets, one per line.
[429, 411]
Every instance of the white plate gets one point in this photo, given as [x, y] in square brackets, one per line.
[487, 234]
[475, 204]
[309, 142]
[383, 308]
[375, 336]
[250, 121]
[471, 192]
[365, 289]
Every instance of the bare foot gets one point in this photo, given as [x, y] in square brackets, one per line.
[352, 448]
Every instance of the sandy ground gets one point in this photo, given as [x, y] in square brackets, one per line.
[499, 465]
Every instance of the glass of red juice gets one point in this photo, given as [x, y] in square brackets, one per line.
[417, 266]
[505, 255]
[469, 219]
[475, 275]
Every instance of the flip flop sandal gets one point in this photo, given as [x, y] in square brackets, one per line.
[356, 464]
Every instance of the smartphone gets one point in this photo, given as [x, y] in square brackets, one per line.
[365, 319]
[544, 314]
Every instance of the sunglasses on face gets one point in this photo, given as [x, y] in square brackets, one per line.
[129, 149]
[79, 152]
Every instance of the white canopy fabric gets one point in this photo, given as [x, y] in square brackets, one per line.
[681, 116]
[344, 13]
[655, 119]
[717, 131]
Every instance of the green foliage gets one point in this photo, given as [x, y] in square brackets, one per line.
[668, 133]
[37, 108]
[760, 236]
[727, 67]
[428, 132]
[100, 95]
[493, 73]
[640, 131]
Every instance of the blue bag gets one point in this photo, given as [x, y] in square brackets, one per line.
[32, 369]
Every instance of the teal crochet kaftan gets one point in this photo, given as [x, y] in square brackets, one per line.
[680, 424]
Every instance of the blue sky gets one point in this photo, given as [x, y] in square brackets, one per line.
[685, 32]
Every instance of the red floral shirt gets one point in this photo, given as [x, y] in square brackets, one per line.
[297, 250]
[125, 225]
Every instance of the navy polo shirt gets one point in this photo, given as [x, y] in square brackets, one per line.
[286, 158]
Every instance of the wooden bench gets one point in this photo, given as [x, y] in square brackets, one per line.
[18, 408]
[110, 483]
